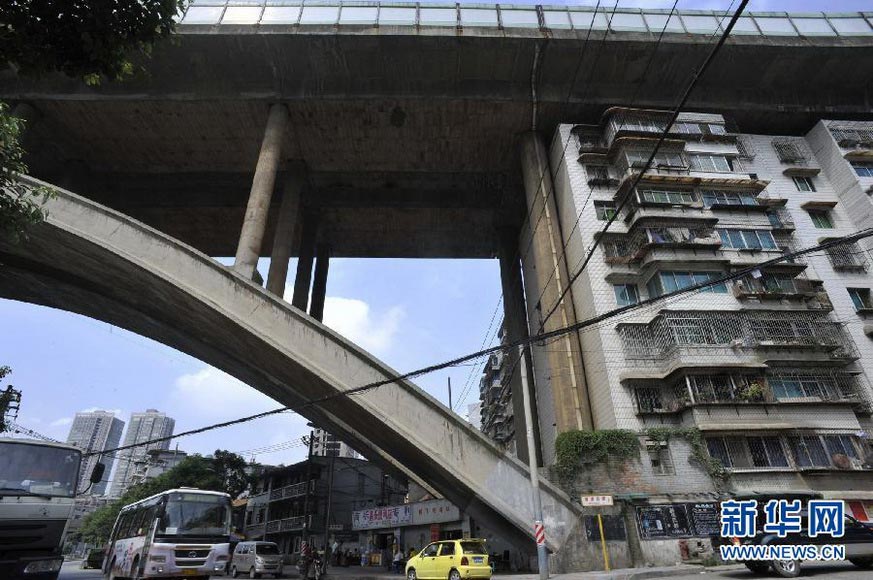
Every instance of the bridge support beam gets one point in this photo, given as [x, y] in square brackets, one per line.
[566, 373]
[252, 235]
[286, 228]
[303, 278]
[515, 324]
[319, 282]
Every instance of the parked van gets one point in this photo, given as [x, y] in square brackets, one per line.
[255, 559]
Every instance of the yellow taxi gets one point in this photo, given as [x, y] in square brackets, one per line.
[450, 560]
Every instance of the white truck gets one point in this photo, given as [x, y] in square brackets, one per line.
[38, 481]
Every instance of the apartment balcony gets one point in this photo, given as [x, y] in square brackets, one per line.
[256, 530]
[857, 135]
[291, 524]
[294, 490]
[685, 338]
[784, 387]
[633, 247]
[769, 287]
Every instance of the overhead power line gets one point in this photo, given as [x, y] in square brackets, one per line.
[510, 346]
[662, 137]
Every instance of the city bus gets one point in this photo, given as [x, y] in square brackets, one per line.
[38, 481]
[177, 533]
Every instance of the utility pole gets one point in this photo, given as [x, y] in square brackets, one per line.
[327, 510]
[451, 407]
[305, 534]
[539, 529]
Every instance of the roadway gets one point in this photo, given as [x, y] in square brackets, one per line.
[841, 571]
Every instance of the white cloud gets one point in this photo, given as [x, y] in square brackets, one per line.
[354, 320]
[214, 394]
[61, 422]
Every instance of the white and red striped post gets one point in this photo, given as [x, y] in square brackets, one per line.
[539, 529]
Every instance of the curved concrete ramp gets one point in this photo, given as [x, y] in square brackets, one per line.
[97, 262]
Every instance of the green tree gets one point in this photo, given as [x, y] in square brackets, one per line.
[224, 471]
[9, 400]
[82, 39]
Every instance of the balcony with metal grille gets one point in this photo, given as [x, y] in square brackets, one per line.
[778, 386]
[676, 339]
[635, 245]
[771, 286]
[847, 257]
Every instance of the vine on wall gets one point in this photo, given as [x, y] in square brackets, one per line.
[575, 448]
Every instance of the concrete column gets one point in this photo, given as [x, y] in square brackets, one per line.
[286, 228]
[319, 283]
[303, 278]
[566, 371]
[252, 235]
[515, 323]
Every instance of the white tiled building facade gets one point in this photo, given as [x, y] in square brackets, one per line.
[774, 368]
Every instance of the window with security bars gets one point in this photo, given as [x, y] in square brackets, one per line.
[598, 174]
[767, 452]
[745, 148]
[789, 151]
[748, 452]
[841, 444]
[809, 451]
[847, 256]
[712, 388]
[860, 298]
[649, 399]
[659, 457]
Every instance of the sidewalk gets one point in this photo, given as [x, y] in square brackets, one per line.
[358, 573]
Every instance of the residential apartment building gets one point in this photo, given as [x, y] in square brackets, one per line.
[316, 498]
[154, 463]
[495, 397]
[773, 367]
[325, 444]
[93, 432]
[145, 426]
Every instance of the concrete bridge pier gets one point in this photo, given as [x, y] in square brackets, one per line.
[306, 255]
[515, 324]
[255, 222]
[564, 406]
[319, 282]
[286, 229]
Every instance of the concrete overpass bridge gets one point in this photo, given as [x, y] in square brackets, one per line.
[373, 131]
[97, 262]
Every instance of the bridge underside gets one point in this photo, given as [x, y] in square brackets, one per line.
[410, 142]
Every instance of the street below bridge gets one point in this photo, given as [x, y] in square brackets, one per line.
[839, 571]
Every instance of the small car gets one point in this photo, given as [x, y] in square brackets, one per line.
[858, 538]
[256, 559]
[94, 558]
[450, 560]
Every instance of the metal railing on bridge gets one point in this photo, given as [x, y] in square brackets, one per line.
[282, 13]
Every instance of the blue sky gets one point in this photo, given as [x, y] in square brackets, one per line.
[410, 313]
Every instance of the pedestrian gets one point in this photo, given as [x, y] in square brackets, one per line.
[398, 559]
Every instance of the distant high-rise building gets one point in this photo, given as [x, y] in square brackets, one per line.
[474, 415]
[142, 427]
[95, 431]
[324, 444]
